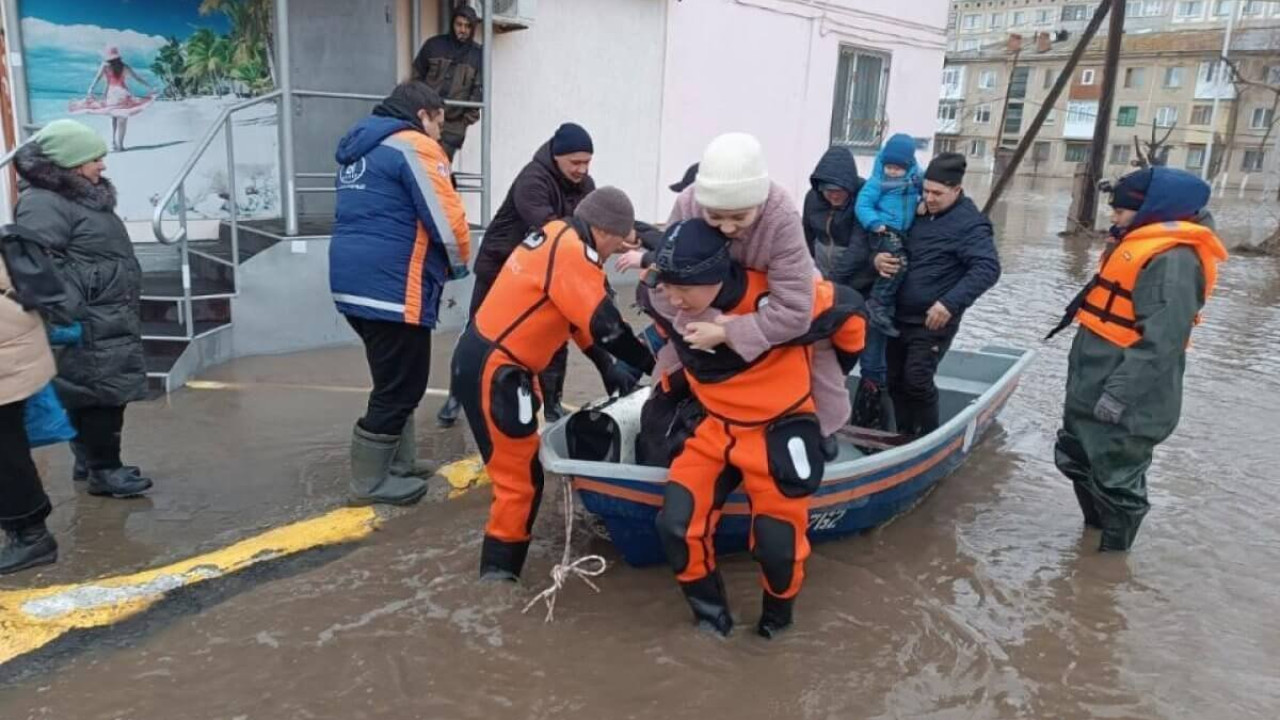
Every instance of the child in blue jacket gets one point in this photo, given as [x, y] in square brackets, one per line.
[886, 207]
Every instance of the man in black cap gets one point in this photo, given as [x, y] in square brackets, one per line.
[451, 64]
[953, 262]
[548, 188]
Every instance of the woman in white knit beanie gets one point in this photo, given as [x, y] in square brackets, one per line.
[733, 192]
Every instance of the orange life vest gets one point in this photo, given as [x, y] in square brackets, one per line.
[1108, 310]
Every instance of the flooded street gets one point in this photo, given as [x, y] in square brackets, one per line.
[986, 601]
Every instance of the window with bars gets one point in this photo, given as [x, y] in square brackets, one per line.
[862, 80]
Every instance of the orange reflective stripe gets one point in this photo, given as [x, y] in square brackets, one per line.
[1108, 308]
[413, 280]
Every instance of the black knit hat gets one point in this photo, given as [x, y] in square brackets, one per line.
[692, 253]
[571, 138]
[1130, 191]
[948, 169]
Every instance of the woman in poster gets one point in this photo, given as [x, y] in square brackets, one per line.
[117, 101]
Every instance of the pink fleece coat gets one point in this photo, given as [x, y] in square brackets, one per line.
[775, 245]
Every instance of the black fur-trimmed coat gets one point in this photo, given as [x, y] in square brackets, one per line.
[77, 221]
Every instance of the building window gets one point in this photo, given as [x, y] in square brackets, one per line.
[1201, 115]
[1019, 19]
[1081, 112]
[977, 148]
[995, 21]
[1018, 82]
[982, 115]
[1120, 154]
[1190, 9]
[987, 79]
[1173, 77]
[1088, 76]
[1195, 157]
[1166, 116]
[1072, 13]
[967, 45]
[1271, 73]
[1222, 8]
[972, 22]
[1208, 72]
[1253, 160]
[1261, 119]
[862, 82]
[1077, 152]
[947, 111]
[1013, 119]
[1044, 17]
[951, 80]
[1051, 117]
[1134, 77]
[943, 145]
[1127, 116]
[1141, 8]
[1254, 8]
[1049, 76]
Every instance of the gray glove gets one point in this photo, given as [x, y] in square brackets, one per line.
[1108, 410]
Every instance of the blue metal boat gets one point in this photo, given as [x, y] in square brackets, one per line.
[860, 491]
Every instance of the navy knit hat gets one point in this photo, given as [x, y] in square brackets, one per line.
[692, 253]
[900, 150]
[1130, 191]
[571, 138]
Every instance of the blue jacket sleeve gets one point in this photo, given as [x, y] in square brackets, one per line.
[977, 252]
[868, 198]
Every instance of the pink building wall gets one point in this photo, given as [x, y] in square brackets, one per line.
[769, 67]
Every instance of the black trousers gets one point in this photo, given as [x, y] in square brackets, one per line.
[551, 380]
[399, 358]
[22, 499]
[99, 433]
[913, 359]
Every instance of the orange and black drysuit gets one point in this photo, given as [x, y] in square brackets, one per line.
[552, 287]
[759, 431]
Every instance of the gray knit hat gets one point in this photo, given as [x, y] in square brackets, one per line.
[609, 209]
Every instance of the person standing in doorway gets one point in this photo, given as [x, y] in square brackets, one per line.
[400, 233]
[1124, 374]
[70, 206]
[548, 188]
[952, 262]
[451, 64]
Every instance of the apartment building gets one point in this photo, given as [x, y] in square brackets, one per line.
[1168, 81]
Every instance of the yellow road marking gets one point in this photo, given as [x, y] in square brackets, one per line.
[29, 619]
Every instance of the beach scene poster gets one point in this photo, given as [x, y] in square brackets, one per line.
[152, 76]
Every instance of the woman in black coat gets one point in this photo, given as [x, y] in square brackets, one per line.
[71, 207]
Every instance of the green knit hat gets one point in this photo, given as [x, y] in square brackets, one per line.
[70, 144]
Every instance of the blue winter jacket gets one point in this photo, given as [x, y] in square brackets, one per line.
[400, 230]
[887, 201]
[951, 258]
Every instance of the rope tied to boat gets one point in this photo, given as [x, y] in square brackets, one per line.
[585, 567]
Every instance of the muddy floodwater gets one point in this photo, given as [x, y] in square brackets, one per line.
[987, 601]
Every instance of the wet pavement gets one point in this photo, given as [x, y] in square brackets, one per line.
[987, 601]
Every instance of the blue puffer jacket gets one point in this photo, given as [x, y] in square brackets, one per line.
[951, 258]
[887, 201]
[400, 230]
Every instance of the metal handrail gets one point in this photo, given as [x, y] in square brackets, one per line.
[157, 218]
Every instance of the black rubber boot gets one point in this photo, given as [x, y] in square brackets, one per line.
[28, 548]
[122, 482]
[371, 480]
[448, 415]
[1087, 506]
[775, 616]
[830, 448]
[81, 471]
[710, 607]
[502, 561]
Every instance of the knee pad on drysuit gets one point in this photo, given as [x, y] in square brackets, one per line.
[775, 550]
[673, 524]
[794, 446]
[513, 406]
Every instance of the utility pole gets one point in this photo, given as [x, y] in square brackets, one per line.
[1058, 86]
[1213, 117]
[1102, 124]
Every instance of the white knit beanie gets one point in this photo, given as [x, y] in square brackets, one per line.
[732, 175]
